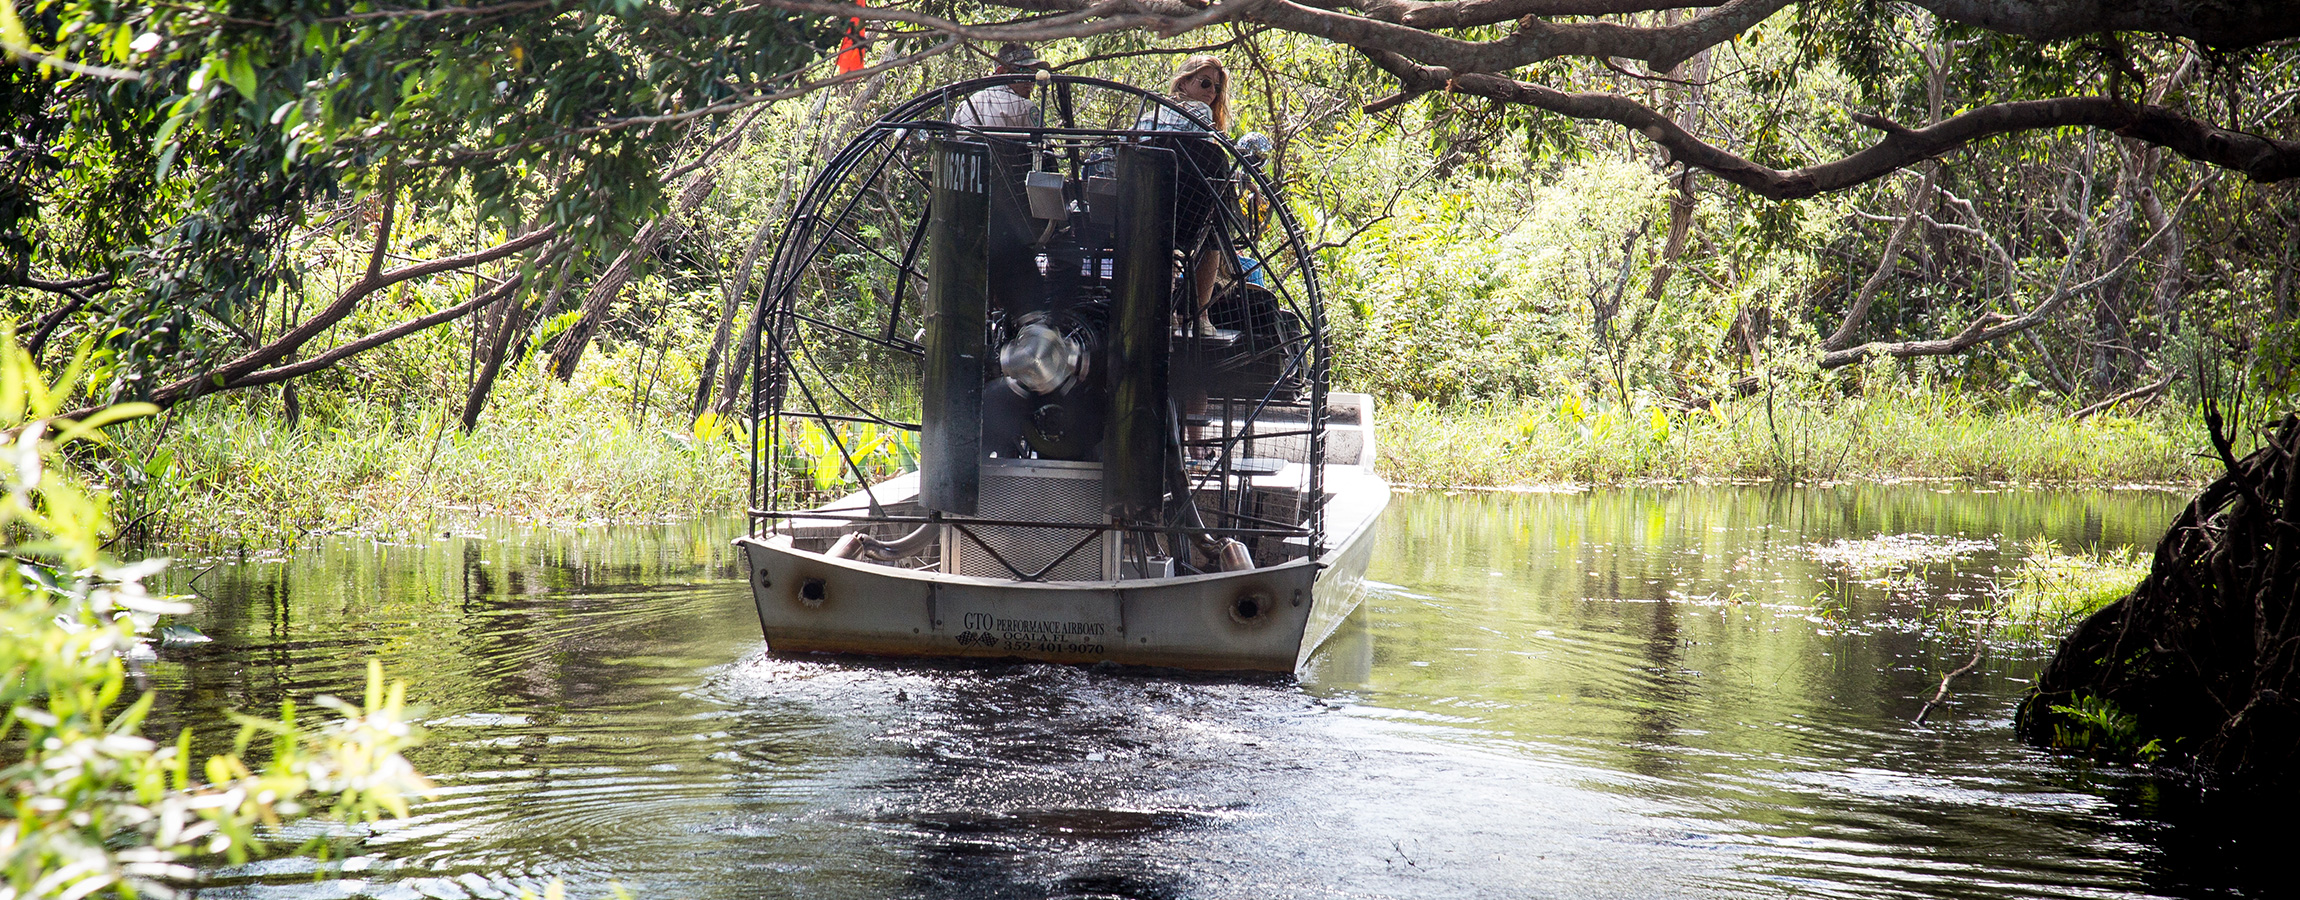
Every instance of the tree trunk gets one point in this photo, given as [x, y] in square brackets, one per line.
[604, 292]
[2204, 655]
[2172, 267]
[510, 319]
[738, 366]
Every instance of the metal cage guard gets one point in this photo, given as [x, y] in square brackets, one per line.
[789, 382]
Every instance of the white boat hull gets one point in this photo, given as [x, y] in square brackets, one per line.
[1254, 620]
[1264, 619]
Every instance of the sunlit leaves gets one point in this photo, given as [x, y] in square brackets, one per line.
[93, 805]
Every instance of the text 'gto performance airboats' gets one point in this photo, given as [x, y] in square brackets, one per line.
[1103, 473]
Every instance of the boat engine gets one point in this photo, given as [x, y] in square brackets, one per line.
[1054, 364]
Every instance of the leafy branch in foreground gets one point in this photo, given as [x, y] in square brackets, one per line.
[94, 805]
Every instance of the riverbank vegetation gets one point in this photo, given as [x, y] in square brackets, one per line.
[351, 321]
[221, 473]
[1803, 434]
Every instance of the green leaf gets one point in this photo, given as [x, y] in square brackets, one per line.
[240, 70]
[103, 417]
[159, 462]
[168, 129]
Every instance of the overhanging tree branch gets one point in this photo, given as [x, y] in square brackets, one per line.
[1472, 13]
[2222, 23]
[190, 387]
[1533, 40]
[1396, 35]
[2227, 24]
[379, 338]
[2262, 159]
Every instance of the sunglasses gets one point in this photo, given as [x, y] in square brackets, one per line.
[1209, 83]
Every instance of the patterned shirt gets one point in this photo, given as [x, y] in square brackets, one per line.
[1164, 119]
[995, 107]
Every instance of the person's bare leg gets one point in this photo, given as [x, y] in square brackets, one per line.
[1209, 269]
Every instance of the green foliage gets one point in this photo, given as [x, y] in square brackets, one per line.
[2096, 726]
[226, 133]
[1482, 288]
[1857, 37]
[1813, 432]
[94, 806]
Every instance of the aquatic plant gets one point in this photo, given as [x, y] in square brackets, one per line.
[2096, 726]
[2050, 590]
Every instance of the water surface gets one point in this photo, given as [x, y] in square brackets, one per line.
[1680, 692]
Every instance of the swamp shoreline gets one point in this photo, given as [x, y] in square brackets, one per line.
[232, 473]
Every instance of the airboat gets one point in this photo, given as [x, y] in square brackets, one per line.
[986, 341]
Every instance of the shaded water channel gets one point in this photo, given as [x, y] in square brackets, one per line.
[1667, 692]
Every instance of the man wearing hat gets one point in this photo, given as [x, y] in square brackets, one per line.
[1006, 105]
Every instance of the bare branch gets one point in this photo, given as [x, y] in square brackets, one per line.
[2146, 390]
[1859, 311]
[1995, 325]
[344, 304]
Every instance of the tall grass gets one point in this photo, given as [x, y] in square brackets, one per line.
[232, 472]
[1892, 435]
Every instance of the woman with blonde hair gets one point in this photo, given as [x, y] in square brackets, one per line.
[1202, 85]
[1202, 79]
